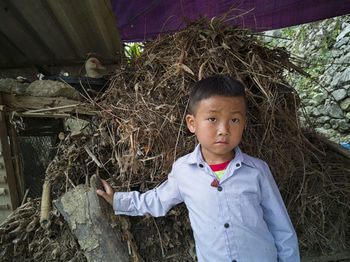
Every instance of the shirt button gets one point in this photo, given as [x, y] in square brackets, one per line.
[238, 164]
[226, 225]
[201, 166]
[219, 188]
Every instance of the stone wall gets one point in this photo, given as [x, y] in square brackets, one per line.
[323, 49]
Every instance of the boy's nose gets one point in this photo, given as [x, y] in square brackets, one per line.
[223, 128]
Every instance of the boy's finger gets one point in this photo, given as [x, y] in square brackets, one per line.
[107, 187]
[104, 195]
[101, 193]
[105, 184]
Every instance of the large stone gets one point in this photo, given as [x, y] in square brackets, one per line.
[345, 77]
[344, 59]
[343, 125]
[332, 109]
[315, 111]
[342, 42]
[335, 81]
[325, 79]
[323, 119]
[334, 123]
[308, 110]
[336, 53]
[339, 94]
[320, 33]
[343, 33]
[345, 104]
[319, 98]
[48, 88]
[327, 126]
[76, 125]
[9, 85]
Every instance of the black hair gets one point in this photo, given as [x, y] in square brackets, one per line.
[217, 85]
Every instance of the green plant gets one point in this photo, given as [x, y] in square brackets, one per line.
[133, 49]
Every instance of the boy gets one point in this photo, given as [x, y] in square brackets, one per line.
[236, 211]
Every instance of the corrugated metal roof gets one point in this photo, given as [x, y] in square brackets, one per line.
[57, 32]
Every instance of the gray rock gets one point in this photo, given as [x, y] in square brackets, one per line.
[334, 123]
[321, 130]
[48, 88]
[345, 49]
[9, 85]
[319, 98]
[323, 119]
[345, 77]
[326, 80]
[332, 109]
[327, 126]
[315, 112]
[345, 104]
[347, 115]
[343, 33]
[344, 59]
[342, 42]
[336, 53]
[320, 33]
[344, 25]
[76, 125]
[303, 95]
[335, 81]
[339, 94]
[343, 125]
[308, 110]
[332, 69]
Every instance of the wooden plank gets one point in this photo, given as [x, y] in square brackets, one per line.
[7, 158]
[21, 103]
[17, 166]
[44, 115]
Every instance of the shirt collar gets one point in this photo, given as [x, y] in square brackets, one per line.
[196, 157]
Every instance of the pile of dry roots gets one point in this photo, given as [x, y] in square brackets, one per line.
[140, 131]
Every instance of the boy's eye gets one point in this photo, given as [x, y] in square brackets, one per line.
[235, 120]
[212, 119]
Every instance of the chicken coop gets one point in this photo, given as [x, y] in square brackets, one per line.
[33, 50]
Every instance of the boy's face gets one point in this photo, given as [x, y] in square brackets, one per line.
[218, 124]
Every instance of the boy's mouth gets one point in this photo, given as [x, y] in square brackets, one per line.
[221, 142]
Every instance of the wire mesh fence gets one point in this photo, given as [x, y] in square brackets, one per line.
[36, 153]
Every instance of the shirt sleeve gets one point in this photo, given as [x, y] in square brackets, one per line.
[156, 202]
[277, 219]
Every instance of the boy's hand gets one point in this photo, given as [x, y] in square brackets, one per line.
[108, 193]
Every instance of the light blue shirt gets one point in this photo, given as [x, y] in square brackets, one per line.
[243, 220]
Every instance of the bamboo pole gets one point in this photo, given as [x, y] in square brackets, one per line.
[45, 206]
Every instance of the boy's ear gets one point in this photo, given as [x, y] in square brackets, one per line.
[190, 123]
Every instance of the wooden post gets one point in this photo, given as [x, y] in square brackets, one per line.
[9, 201]
[89, 218]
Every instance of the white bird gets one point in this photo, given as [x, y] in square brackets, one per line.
[94, 68]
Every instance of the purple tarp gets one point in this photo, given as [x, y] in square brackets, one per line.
[139, 20]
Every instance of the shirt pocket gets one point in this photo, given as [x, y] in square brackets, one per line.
[252, 214]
